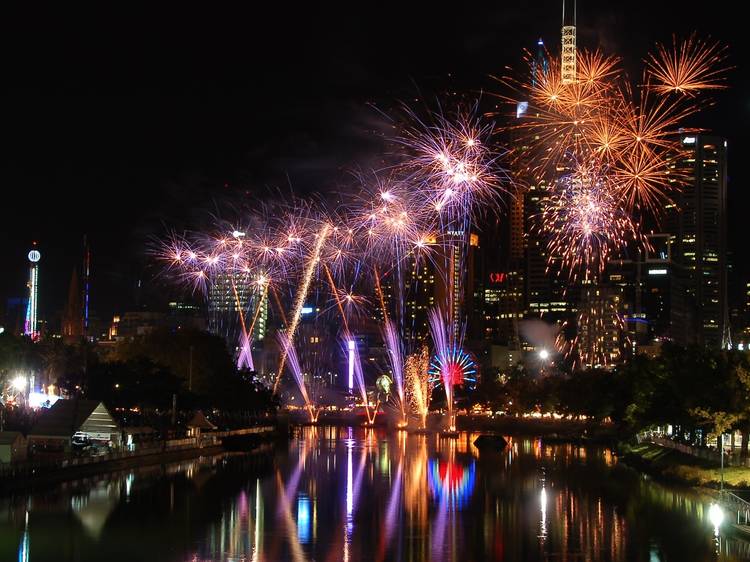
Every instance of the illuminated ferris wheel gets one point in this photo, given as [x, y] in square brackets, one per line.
[456, 366]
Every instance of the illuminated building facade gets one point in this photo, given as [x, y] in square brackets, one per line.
[233, 300]
[697, 225]
[503, 307]
[503, 276]
[420, 285]
[546, 295]
[448, 275]
[601, 334]
[549, 294]
[651, 288]
[456, 282]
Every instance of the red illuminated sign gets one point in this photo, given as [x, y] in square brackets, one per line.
[498, 277]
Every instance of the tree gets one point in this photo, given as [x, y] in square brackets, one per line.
[202, 369]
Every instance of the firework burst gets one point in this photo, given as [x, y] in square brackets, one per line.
[687, 67]
[452, 164]
[584, 223]
[605, 149]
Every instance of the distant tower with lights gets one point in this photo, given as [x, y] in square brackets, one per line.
[568, 62]
[31, 325]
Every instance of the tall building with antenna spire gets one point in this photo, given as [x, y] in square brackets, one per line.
[86, 284]
[568, 64]
[31, 325]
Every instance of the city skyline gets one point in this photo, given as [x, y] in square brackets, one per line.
[376, 283]
[336, 142]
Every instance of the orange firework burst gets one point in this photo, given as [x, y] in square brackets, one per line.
[626, 137]
[687, 67]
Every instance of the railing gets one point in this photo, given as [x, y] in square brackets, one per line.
[730, 459]
[733, 502]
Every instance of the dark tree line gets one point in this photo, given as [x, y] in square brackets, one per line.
[698, 391]
[143, 375]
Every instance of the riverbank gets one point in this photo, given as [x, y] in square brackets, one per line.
[675, 466]
[552, 430]
[17, 476]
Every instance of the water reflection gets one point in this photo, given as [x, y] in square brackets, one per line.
[354, 494]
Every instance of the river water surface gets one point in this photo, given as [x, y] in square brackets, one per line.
[353, 494]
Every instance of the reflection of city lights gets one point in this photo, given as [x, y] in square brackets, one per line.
[716, 516]
[303, 518]
[543, 509]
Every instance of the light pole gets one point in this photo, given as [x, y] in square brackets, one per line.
[721, 446]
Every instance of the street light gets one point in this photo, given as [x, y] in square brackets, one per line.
[543, 354]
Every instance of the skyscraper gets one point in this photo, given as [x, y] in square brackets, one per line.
[547, 295]
[234, 301]
[697, 225]
[503, 276]
[73, 315]
[601, 332]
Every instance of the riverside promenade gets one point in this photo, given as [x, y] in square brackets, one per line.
[38, 471]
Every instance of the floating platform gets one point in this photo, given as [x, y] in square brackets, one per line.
[449, 434]
[490, 442]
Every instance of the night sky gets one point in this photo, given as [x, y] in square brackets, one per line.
[125, 125]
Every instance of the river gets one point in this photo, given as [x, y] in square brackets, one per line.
[353, 494]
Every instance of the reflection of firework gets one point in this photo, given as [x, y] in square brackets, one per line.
[451, 482]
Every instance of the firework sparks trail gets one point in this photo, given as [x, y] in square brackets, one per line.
[302, 295]
[359, 377]
[445, 341]
[294, 366]
[395, 358]
[418, 384]
[336, 296]
[379, 290]
[245, 356]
